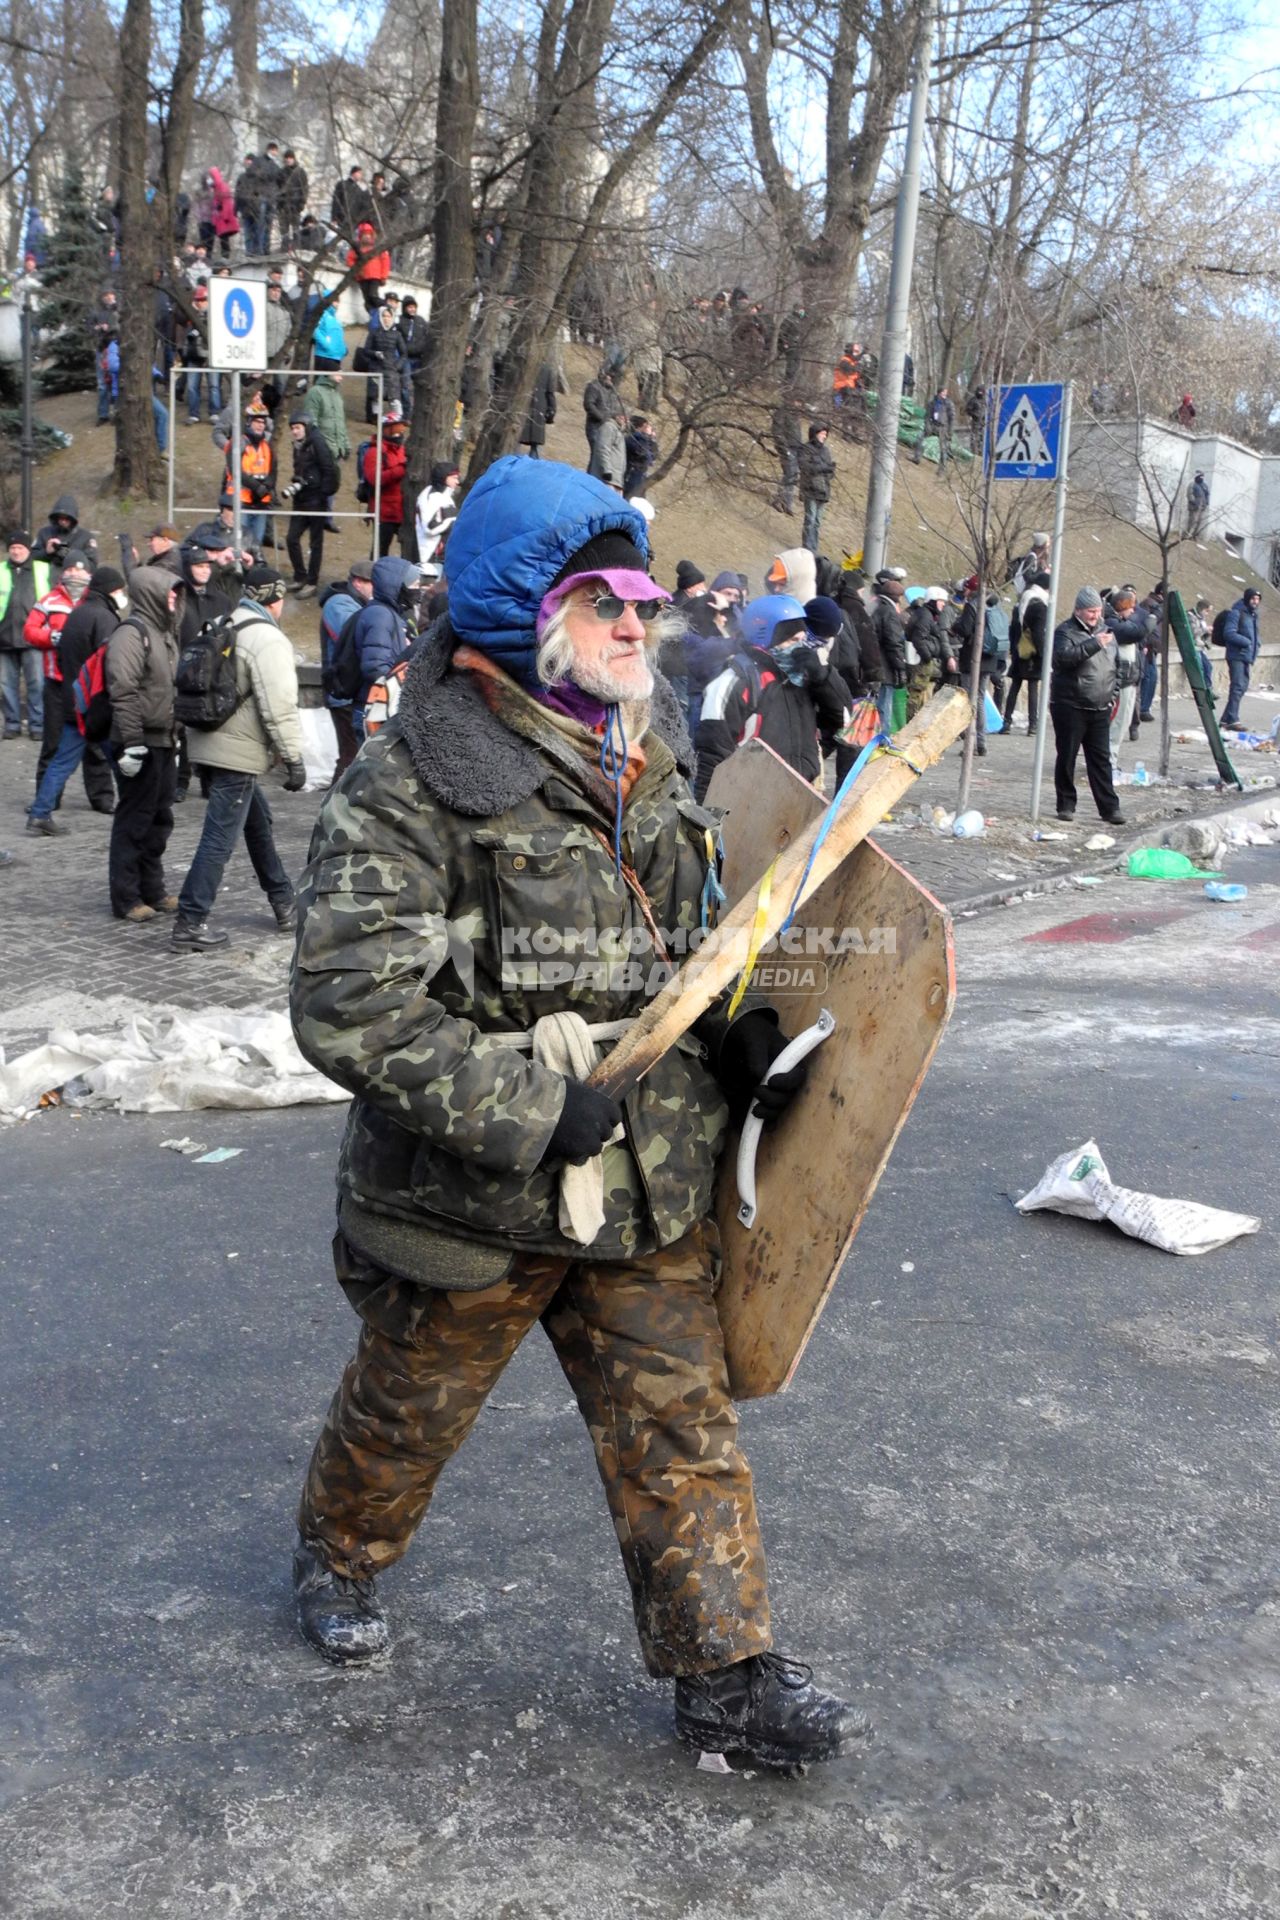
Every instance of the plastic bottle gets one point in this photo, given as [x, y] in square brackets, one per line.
[1141, 778]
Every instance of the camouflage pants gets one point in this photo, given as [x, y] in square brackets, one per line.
[920, 687]
[640, 1345]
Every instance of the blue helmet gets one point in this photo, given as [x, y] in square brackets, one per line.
[761, 617]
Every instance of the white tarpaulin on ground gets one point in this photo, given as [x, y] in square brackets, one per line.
[169, 1062]
[1078, 1183]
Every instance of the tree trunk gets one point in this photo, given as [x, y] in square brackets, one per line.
[146, 229]
[826, 256]
[453, 242]
[243, 29]
[137, 468]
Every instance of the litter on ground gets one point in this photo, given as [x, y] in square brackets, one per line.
[169, 1063]
[1164, 863]
[1078, 1183]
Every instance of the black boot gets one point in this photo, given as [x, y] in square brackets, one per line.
[766, 1711]
[340, 1618]
[195, 936]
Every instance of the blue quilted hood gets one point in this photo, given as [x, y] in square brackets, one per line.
[517, 528]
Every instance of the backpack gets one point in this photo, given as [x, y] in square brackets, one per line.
[364, 488]
[341, 676]
[205, 694]
[995, 632]
[383, 701]
[1218, 631]
[92, 701]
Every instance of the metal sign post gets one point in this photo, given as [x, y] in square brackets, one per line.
[237, 479]
[237, 340]
[1051, 611]
[28, 448]
[173, 421]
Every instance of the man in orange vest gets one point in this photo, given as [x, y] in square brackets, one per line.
[257, 479]
[846, 381]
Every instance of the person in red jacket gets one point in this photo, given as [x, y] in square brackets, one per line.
[395, 459]
[42, 629]
[374, 264]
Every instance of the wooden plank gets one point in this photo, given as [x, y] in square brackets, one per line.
[702, 979]
[818, 1167]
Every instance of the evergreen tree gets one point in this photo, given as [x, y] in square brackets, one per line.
[73, 280]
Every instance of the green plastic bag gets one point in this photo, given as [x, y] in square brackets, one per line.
[1162, 863]
[899, 709]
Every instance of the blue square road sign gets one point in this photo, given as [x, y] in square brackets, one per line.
[1024, 439]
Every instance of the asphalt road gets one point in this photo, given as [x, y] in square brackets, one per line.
[1021, 1501]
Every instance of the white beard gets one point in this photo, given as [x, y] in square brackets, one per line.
[615, 689]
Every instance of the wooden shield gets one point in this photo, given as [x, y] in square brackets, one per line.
[875, 948]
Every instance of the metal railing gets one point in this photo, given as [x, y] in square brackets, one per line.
[284, 374]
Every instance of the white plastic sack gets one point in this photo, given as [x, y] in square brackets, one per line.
[1078, 1183]
[319, 746]
[170, 1063]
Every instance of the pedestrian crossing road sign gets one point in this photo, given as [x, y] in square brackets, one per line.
[1025, 437]
[237, 324]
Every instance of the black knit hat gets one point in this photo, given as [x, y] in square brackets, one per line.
[823, 617]
[687, 575]
[606, 550]
[107, 580]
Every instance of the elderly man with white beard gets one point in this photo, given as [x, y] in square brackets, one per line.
[495, 884]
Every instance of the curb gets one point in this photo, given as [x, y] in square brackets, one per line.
[1066, 876]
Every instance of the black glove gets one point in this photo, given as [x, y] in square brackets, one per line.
[295, 776]
[586, 1121]
[812, 665]
[748, 1050]
[900, 676]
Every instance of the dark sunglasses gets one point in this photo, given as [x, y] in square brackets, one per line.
[607, 606]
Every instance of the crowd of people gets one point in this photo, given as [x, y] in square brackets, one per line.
[523, 774]
[107, 662]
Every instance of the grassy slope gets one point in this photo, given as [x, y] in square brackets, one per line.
[724, 527]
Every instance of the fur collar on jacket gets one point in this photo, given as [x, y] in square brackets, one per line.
[467, 757]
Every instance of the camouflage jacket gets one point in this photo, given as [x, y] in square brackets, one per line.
[461, 884]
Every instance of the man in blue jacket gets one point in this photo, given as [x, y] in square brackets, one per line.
[1240, 637]
[382, 631]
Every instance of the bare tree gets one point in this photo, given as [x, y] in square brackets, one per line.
[146, 227]
[453, 249]
[555, 226]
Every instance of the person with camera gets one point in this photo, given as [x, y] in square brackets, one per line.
[62, 535]
[314, 482]
[263, 729]
[1082, 694]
